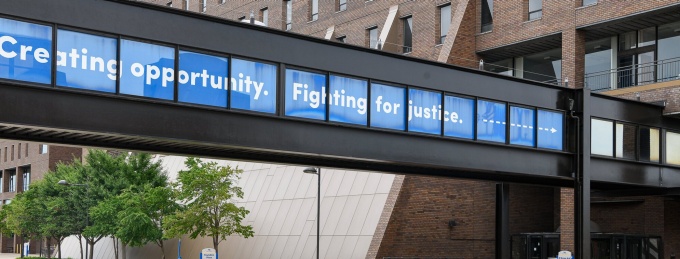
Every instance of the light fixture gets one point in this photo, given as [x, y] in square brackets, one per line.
[63, 182]
[571, 104]
[452, 223]
[310, 170]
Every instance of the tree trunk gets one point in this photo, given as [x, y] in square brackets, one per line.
[124, 245]
[59, 248]
[215, 244]
[49, 242]
[162, 249]
[80, 242]
[91, 250]
[91, 244]
[21, 247]
[115, 247]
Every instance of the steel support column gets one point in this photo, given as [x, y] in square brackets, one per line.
[582, 179]
[502, 221]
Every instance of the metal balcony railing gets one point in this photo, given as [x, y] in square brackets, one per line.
[634, 75]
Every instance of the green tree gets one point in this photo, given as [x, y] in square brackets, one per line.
[206, 189]
[142, 218]
[110, 178]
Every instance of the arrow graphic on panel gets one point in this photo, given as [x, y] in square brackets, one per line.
[551, 130]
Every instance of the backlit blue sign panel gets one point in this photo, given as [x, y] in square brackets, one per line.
[253, 86]
[86, 61]
[522, 126]
[550, 129]
[387, 107]
[459, 117]
[147, 70]
[25, 51]
[305, 94]
[203, 79]
[348, 100]
[424, 111]
[491, 121]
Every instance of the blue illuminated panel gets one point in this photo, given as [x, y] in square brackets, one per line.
[387, 107]
[459, 117]
[348, 100]
[203, 79]
[491, 121]
[305, 94]
[147, 70]
[86, 61]
[522, 130]
[550, 129]
[25, 51]
[253, 86]
[424, 111]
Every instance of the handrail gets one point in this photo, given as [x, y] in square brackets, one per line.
[634, 75]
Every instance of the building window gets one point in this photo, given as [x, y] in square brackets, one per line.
[626, 135]
[598, 64]
[12, 157]
[636, 57]
[535, 9]
[668, 52]
[589, 2]
[314, 10]
[2, 184]
[264, 16]
[601, 137]
[5, 154]
[342, 5]
[672, 148]
[289, 14]
[503, 67]
[186, 5]
[26, 178]
[372, 34]
[408, 34]
[43, 148]
[487, 15]
[26, 149]
[444, 22]
[649, 144]
[12, 181]
[543, 66]
[341, 38]
[204, 6]
[19, 152]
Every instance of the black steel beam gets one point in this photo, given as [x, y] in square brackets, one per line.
[265, 138]
[503, 221]
[582, 183]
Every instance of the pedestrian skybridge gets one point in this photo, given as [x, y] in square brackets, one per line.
[121, 74]
[151, 78]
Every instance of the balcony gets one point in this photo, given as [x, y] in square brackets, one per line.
[634, 75]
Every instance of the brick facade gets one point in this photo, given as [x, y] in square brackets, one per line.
[17, 155]
[419, 225]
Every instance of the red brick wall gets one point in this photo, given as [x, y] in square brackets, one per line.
[531, 209]
[669, 94]
[671, 240]
[419, 223]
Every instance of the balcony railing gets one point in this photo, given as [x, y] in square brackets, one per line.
[634, 75]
